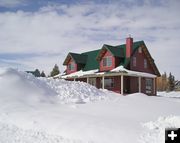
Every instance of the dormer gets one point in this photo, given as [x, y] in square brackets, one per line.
[109, 57]
[74, 62]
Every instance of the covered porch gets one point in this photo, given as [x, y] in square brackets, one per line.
[119, 80]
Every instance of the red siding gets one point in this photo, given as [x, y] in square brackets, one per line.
[102, 68]
[140, 63]
[71, 71]
[134, 84]
[117, 84]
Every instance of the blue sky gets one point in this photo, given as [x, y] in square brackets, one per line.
[40, 33]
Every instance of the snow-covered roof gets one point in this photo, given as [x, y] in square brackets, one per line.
[132, 73]
[80, 73]
[120, 69]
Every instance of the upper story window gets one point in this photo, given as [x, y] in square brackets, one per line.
[107, 61]
[140, 50]
[71, 66]
[134, 61]
[145, 63]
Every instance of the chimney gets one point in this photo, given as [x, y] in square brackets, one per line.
[129, 45]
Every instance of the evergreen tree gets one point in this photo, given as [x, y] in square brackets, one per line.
[171, 82]
[43, 74]
[37, 73]
[55, 71]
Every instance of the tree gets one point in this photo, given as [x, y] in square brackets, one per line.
[43, 74]
[55, 71]
[164, 82]
[171, 82]
[37, 73]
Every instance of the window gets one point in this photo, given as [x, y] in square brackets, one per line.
[109, 82]
[140, 50]
[71, 66]
[149, 84]
[107, 61]
[134, 61]
[145, 63]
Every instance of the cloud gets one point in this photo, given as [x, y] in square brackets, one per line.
[11, 3]
[61, 28]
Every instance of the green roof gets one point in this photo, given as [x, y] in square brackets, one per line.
[90, 61]
[79, 58]
[117, 51]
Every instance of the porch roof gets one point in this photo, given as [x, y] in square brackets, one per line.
[120, 70]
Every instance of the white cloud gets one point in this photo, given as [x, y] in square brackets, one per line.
[82, 27]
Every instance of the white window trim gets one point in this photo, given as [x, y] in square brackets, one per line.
[140, 50]
[110, 57]
[72, 64]
[145, 63]
[105, 79]
[149, 88]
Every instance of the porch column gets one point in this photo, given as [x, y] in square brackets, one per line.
[74, 79]
[122, 84]
[87, 79]
[103, 82]
[139, 81]
[154, 86]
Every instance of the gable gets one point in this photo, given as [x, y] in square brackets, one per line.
[115, 51]
[77, 58]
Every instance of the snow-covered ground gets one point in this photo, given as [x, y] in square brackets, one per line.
[58, 111]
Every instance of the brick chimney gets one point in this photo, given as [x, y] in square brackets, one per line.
[129, 46]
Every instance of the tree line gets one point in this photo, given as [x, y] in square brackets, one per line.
[166, 83]
[55, 71]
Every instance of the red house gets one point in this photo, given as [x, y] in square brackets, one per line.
[124, 69]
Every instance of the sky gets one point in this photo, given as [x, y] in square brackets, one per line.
[40, 33]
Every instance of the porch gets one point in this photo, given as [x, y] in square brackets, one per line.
[119, 80]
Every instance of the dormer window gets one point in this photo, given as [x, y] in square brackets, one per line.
[107, 61]
[71, 66]
[140, 50]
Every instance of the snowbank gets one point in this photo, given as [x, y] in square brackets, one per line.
[173, 94]
[155, 130]
[23, 87]
[20, 84]
[75, 91]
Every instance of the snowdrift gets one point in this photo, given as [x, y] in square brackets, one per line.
[75, 91]
[172, 94]
[26, 87]
[31, 110]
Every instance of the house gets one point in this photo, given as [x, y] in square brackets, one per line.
[126, 68]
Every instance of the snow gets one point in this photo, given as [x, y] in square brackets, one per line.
[119, 69]
[132, 73]
[155, 130]
[80, 73]
[171, 94]
[59, 111]
[71, 91]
